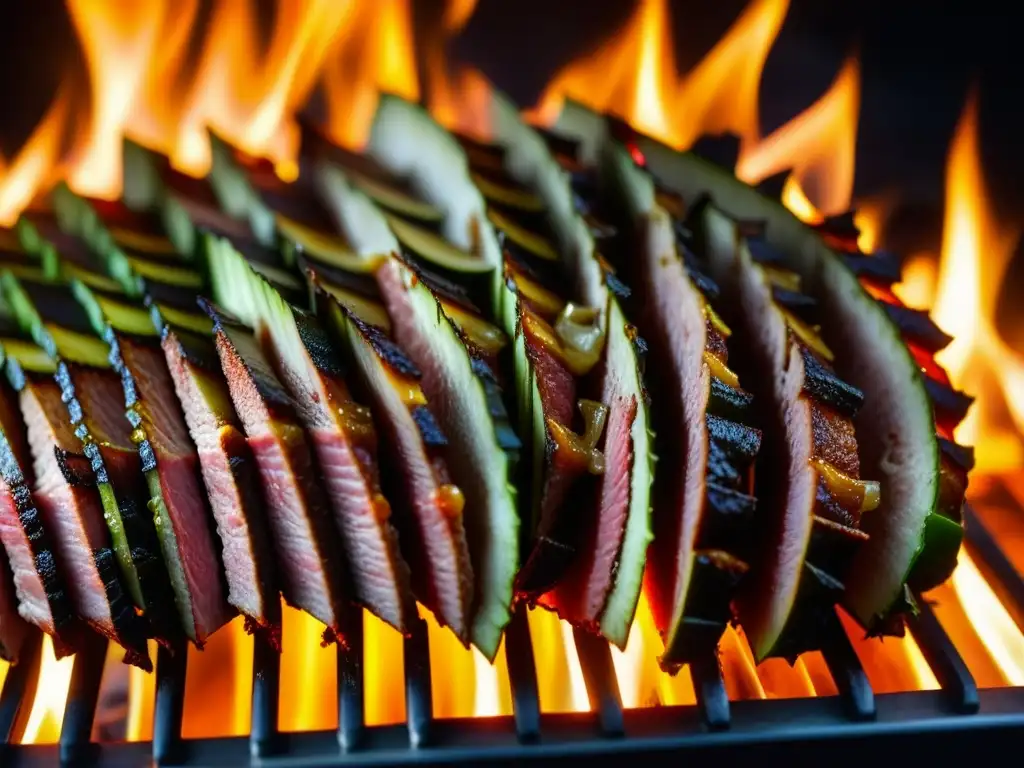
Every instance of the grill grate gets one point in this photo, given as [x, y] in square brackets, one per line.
[932, 720]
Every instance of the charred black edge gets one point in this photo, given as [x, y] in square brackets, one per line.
[948, 402]
[128, 627]
[733, 449]
[62, 611]
[730, 402]
[726, 523]
[318, 345]
[326, 534]
[246, 479]
[825, 386]
[393, 358]
[961, 455]
[916, 326]
[882, 266]
[728, 520]
[131, 494]
[443, 287]
[387, 350]
[272, 393]
[820, 588]
[798, 303]
[707, 610]
[508, 440]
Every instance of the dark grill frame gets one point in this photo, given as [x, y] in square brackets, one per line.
[853, 727]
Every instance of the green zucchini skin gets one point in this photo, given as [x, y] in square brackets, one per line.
[471, 412]
[895, 428]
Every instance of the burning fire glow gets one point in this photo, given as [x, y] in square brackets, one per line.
[161, 75]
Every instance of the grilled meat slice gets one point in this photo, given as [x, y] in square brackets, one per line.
[312, 572]
[72, 511]
[230, 475]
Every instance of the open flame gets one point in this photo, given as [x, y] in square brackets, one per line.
[163, 77]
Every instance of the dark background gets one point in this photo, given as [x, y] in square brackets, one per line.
[918, 61]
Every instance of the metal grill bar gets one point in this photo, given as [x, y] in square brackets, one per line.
[351, 716]
[847, 672]
[83, 693]
[712, 699]
[418, 709]
[599, 676]
[519, 737]
[522, 677]
[1000, 573]
[945, 660]
[19, 690]
[266, 684]
[169, 705]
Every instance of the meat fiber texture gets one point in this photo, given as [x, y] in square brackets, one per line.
[13, 629]
[232, 486]
[304, 362]
[895, 426]
[305, 541]
[180, 490]
[42, 597]
[478, 464]
[441, 567]
[761, 329]
[74, 516]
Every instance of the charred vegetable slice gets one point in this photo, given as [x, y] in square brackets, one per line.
[905, 530]
[482, 447]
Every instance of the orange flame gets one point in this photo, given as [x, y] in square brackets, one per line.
[559, 675]
[383, 656]
[373, 54]
[641, 681]
[635, 77]
[33, 165]
[975, 254]
[819, 145]
[47, 714]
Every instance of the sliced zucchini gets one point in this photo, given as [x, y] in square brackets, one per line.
[896, 431]
[175, 274]
[503, 194]
[530, 163]
[328, 249]
[122, 315]
[435, 249]
[472, 416]
[394, 199]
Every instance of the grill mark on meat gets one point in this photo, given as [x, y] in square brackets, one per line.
[232, 486]
[436, 547]
[155, 410]
[13, 629]
[74, 515]
[469, 442]
[348, 467]
[42, 596]
[95, 405]
[306, 543]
